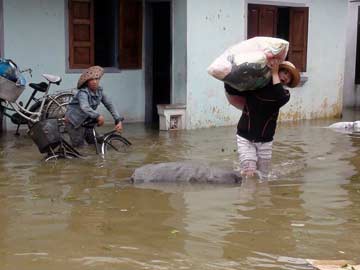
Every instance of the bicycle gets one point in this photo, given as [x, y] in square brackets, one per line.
[47, 136]
[36, 108]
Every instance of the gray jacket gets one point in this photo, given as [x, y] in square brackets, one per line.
[84, 104]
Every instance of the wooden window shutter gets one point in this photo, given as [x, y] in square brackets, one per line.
[253, 21]
[262, 20]
[298, 33]
[268, 21]
[81, 33]
[130, 41]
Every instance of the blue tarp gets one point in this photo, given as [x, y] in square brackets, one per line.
[10, 71]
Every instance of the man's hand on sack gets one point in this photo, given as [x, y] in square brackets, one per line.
[273, 64]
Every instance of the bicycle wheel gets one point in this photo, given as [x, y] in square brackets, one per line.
[56, 105]
[60, 155]
[115, 142]
[63, 151]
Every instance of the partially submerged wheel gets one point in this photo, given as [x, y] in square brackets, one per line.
[115, 143]
[60, 155]
[63, 151]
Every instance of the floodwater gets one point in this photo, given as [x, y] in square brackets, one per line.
[83, 214]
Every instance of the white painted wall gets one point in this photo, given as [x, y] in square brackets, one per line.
[215, 25]
[321, 96]
[351, 91]
[212, 26]
[35, 36]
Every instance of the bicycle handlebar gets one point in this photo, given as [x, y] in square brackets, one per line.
[91, 122]
[29, 70]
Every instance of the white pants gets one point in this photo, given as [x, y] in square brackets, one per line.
[254, 156]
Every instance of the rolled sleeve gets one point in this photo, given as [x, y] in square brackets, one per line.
[111, 108]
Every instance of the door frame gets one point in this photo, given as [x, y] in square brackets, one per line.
[2, 39]
[357, 48]
[148, 57]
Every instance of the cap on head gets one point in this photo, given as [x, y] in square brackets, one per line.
[295, 74]
[94, 72]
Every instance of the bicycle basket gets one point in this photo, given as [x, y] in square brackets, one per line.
[9, 90]
[45, 134]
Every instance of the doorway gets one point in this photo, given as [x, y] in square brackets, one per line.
[158, 59]
[357, 66]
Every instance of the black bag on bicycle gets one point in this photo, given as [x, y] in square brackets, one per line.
[46, 134]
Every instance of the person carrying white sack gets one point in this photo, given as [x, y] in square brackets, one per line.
[260, 111]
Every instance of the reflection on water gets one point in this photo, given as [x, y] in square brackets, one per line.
[83, 214]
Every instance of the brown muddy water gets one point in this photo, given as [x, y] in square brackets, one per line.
[82, 214]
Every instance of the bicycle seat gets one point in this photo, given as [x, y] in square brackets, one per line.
[52, 78]
[39, 86]
[89, 123]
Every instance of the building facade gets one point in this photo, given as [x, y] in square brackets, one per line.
[157, 52]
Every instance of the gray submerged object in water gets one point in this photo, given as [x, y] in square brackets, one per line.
[184, 172]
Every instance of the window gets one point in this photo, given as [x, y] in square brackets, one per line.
[106, 33]
[289, 23]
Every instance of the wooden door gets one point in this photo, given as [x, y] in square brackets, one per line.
[81, 33]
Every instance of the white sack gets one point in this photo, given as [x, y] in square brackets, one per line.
[244, 65]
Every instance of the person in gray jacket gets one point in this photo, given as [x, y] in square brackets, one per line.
[84, 104]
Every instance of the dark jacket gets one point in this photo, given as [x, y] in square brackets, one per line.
[261, 111]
